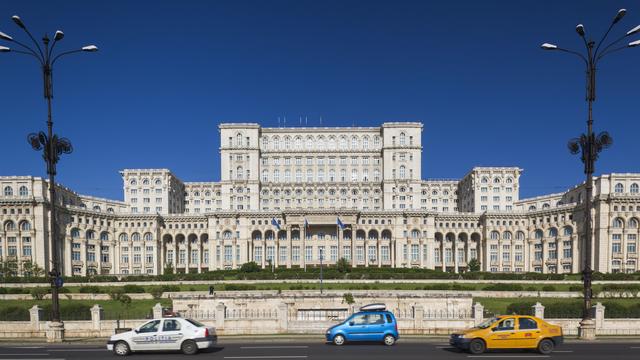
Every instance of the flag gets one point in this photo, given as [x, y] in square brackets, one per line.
[342, 226]
[306, 224]
[275, 223]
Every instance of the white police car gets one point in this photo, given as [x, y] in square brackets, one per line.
[186, 335]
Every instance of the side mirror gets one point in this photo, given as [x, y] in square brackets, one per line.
[351, 323]
[494, 328]
[136, 331]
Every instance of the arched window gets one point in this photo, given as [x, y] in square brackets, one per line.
[135, 237]
[276, 143]
[402, 171]
[148, 236]
[133, 182]
[8, 191]
[546, 206]
[634, 188]
[519, 235]
[415, 233]
[145, 182]
[265, 175]
[276, 175]
[23, 191]
[495, 235]
[343, 142]
[484, 180]
[553, 232]
[75, 233]
[104, 236]
[287, 143]
[619, 188]
[354, 142]
[238, 140]
[298, 143]
[618, 223]
[25, 226]
[506, 235]
[320, 143]
[376, 141]
[109, 210]
[403, 139]
[90, 235]
[239, 172]
[509, 180]
[309, 144]
[158, 182]
[264, 142]
[567, 231]
[538, 234]
[365, 143]
[496, 180]
[123, 237]
[332, 143]
[633, 223]
[226, 234]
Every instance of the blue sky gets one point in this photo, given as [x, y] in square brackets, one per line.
[168, 72]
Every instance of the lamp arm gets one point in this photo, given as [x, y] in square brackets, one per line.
[604, 37]
[604, 51]
[34, 41]
[63, 54]
[586, 62]
[27, 53]
[51, 49]
[30, 50]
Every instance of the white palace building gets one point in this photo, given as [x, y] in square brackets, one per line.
[282, 193]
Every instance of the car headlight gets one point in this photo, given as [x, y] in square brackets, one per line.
[461, 336]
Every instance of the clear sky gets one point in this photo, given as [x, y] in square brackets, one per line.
[168, 72]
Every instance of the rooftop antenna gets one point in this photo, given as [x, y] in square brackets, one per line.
[278, 121]
[285, 121]
[320, 120]
[300, 120]
[306, 121]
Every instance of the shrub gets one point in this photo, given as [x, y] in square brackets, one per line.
[239, 287]
[133, 289]
[576, 288]
[250, 267]
[548, 288]
[90, 289]
[38, 293]
[348, 298]
[503, 287]
[116, 293]
[170, 288]
[157, 292]
[531, 288]
[125, 300]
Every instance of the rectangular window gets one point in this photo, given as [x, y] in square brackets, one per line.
[334, 253]
[308, 253]
[360, 253]
[346, 252]
[295, 254]
[283, 254]
[436, 255]
[384, 250]
[616, 248]
[257, 254]
[228, 253]
[448, 255]
[123, 259]
[415, 252]
[372, 253]
[26, 251]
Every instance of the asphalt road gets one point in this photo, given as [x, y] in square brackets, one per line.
[318, 350]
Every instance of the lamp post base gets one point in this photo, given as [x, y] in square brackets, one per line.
[587, 329]
[55, 332]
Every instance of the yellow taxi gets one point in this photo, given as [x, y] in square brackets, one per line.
[509, 332]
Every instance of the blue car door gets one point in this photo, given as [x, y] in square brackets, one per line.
[355, 328]
[375, 327]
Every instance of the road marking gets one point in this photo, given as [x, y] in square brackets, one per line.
[64, 350]
[274, 347]
[26, 347]
[45, 354]
[507, 356]
[268, 357]
[635, 347]
[562, 351]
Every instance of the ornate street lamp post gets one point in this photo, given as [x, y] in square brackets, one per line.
[52, 148]
[590, 145]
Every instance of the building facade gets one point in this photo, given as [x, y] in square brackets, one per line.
[289, 196]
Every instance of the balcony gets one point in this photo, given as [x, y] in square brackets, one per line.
[105, 265]
[77, 263]
[92, 264]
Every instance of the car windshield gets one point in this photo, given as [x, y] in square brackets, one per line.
[485, 324]
[195, 323]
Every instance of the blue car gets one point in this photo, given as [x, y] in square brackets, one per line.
[372, 323]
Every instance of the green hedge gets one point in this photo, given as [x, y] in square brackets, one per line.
[573, 309]
[503, 287]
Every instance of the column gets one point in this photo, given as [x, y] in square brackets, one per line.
[157, 311]
[303, 240]
[96, 316]
[478, 313]
[114, 253]
[442, 253]
[599, 315]
[35, 313]
[538, 310]
[455, 253]
[545, 247]
[289, 247]
[575, 258]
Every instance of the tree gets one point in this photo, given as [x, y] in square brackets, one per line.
[29, 268]
[250, 267]
[343, 265]
[168, 269]
[473, 265]
[348, 298]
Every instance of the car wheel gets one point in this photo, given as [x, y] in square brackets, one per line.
[189, 347]
[121, 348]
[477, 346]
[545, 346]
[389, 340]
[338, 340]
